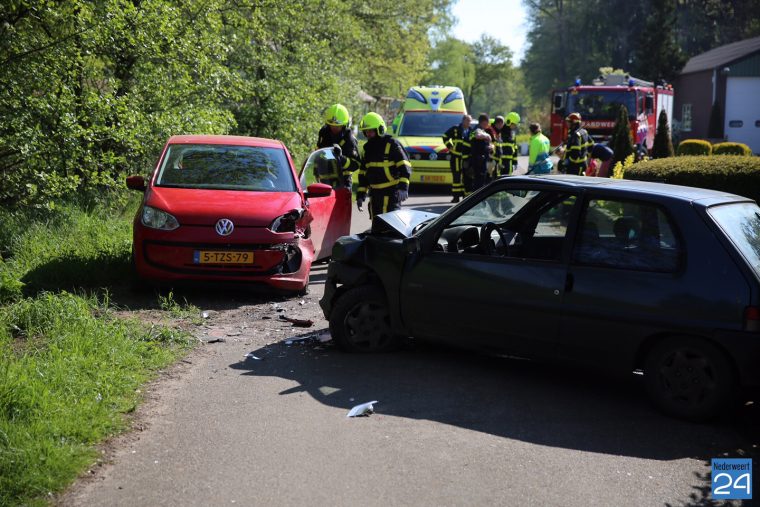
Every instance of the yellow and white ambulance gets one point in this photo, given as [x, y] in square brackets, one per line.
[426, 114]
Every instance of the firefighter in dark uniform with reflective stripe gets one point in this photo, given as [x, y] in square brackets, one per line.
[456, 139]
[481, 141]
[508, 143]
[337, 134]
[577, 146]
[385, 169]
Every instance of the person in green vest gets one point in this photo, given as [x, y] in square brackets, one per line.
[538, 151]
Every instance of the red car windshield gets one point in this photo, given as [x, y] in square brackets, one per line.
[223, 167]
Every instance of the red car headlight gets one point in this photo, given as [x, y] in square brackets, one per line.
[158, 219]
[286, 222]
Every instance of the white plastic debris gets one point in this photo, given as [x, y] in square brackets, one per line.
[323, 337]
[363, 409]
[302, 302]
[204, 315]
[251, 355]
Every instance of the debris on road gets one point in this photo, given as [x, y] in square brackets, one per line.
[300, 341]
[319, 337]
[302, 302]
[251, 355]
[363, 410]
[204, 315]
[234, 333]
[216, 340]
[298, 322]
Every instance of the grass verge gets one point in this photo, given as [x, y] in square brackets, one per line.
[69, 371]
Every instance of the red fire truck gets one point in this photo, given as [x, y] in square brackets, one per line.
[599, 102]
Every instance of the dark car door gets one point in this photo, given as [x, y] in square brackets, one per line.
[624, 281]
[506, 296]
[331, 215]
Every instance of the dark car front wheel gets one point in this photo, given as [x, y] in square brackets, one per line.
[360, 321]
[690, 378]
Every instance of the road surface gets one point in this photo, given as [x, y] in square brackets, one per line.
[450, 428]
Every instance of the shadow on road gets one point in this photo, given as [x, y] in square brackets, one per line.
[521, 400]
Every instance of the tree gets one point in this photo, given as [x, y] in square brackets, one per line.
[622, 140]
[663, 145]
[658, 55]
[91, 90]
[452, 63]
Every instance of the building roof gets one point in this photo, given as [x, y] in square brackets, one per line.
[722, 55]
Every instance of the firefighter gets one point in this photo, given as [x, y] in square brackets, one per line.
[481, 147]
[456, 139]
[509, 144]
[336, 133]
[385, 169]
[577, 146]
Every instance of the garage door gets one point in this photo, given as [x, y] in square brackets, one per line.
[743, 111]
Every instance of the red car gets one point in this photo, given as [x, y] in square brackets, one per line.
[230, 208]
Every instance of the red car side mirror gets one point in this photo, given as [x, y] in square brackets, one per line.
[136, 183]
[318, 190]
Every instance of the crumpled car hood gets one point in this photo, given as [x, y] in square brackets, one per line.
[400, 223]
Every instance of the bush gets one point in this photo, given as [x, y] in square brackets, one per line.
[663, 145]
[618, 171]
[694, 147]
[622, 140]
[731, 149]
[738, 175]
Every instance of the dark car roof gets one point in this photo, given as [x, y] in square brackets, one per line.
[701, 196]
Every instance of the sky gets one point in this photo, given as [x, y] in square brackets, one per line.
[503, 19]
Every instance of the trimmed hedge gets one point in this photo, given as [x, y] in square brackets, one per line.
[731, 149]
[694, 147]
[738, 175]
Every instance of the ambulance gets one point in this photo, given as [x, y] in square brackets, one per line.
[428, 112]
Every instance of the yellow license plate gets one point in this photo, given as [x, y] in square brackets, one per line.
[222, 257]
[432, 179]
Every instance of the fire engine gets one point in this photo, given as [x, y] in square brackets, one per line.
[598, 106]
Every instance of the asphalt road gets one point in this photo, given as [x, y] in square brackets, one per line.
[450, 428]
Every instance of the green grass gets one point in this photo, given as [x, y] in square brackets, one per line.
[177, 310]
[69, 249]
[69, 371]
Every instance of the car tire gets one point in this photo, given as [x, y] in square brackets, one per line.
[690, 378]
[360, 321]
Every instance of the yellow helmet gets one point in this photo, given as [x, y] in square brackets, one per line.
[373, 121]
[513, 118]
[337, 116]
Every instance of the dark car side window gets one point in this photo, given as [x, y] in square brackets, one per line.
[527, 224]
[627, 235]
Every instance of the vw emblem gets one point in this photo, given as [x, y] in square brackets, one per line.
[224, 227]
[433, 156]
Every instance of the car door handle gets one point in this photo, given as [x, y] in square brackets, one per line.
[569, 282]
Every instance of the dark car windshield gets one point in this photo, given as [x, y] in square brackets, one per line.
[600, 104]
[424, 124]
[741, 223]
[222, 167]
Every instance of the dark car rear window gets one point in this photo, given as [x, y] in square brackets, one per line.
[222, 167]
[741, 223]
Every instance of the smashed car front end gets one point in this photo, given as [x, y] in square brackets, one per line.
[373, 257]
